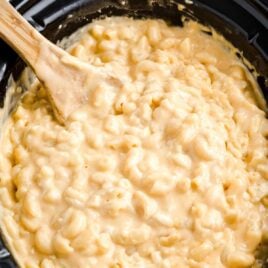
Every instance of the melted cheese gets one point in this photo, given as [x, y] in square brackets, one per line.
[166, 170]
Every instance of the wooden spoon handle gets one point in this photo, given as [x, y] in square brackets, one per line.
[65, 78]
[19, 34]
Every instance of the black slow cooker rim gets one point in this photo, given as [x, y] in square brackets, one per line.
[46, 15]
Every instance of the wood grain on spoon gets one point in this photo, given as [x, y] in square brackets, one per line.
[67, 79]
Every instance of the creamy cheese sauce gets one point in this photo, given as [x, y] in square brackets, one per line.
[168, 169]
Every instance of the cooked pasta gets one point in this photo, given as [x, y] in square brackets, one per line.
[167, 169]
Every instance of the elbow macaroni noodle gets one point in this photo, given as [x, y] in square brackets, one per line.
[168, 169]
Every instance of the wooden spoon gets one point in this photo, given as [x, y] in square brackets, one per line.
[67, 79]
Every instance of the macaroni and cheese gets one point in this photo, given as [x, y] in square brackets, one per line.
[167, 169]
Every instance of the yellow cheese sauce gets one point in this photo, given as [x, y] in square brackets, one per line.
[168, 169]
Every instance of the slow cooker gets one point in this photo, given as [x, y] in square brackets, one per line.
[243, 22]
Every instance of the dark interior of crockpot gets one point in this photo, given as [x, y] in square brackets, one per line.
[243, 22]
